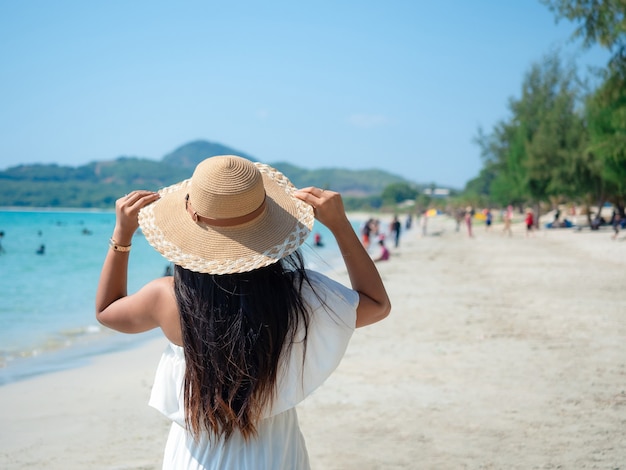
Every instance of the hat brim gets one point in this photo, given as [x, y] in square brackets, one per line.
[282, 227]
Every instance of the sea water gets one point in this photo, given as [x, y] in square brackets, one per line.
[47, 298]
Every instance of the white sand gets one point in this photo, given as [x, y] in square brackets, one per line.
[500, 353]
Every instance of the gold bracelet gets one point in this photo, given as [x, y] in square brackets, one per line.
[116, 247]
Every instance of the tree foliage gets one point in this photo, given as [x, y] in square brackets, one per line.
[603, 22]
[554, 128]
[600, 22]
[399, 192]
[528, 157]
[606, 116]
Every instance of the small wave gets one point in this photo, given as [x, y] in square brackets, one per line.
[60, 340]
[81, 331]
[59, 355]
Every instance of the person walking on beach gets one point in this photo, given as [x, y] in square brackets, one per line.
[424, 223]
[459, 215]
[469, 213]
[557, 216]
[508, 217]
[251, 331]
[395, 229]
[529, 220]
[616, 223]
[488, 219]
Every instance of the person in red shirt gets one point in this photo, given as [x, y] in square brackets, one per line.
[530, 219]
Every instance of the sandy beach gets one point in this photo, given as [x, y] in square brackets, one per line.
[500, 353]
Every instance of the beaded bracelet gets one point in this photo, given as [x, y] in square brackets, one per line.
[116, 247]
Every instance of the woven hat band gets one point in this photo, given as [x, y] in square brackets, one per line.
[225, 222]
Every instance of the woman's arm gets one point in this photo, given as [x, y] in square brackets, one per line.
[130, 314]
[374, 304]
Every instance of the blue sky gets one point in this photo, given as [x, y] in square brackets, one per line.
[398, 85]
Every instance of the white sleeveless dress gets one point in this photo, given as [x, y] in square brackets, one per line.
[279, 444]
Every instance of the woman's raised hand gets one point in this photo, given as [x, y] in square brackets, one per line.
[126, 212]
[327, 206]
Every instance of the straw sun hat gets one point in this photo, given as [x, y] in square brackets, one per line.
[231, 216]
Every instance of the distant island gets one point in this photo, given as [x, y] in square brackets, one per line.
[98, 184]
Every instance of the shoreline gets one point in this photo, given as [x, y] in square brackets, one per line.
[79, 353]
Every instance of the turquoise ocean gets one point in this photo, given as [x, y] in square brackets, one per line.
[47, 320]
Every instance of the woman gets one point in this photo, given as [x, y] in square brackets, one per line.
[508, 218]
[529, 221]
[251, 332]
[469, 213]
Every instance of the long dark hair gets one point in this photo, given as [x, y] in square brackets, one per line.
[234, 329]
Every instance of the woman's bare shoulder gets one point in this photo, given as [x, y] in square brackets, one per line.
[167, 314]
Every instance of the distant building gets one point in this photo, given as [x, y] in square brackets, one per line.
[437, 192]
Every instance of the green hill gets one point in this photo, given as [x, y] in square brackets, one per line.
[99, 184]
[189, 155]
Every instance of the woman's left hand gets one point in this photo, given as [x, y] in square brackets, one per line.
[327, 206]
